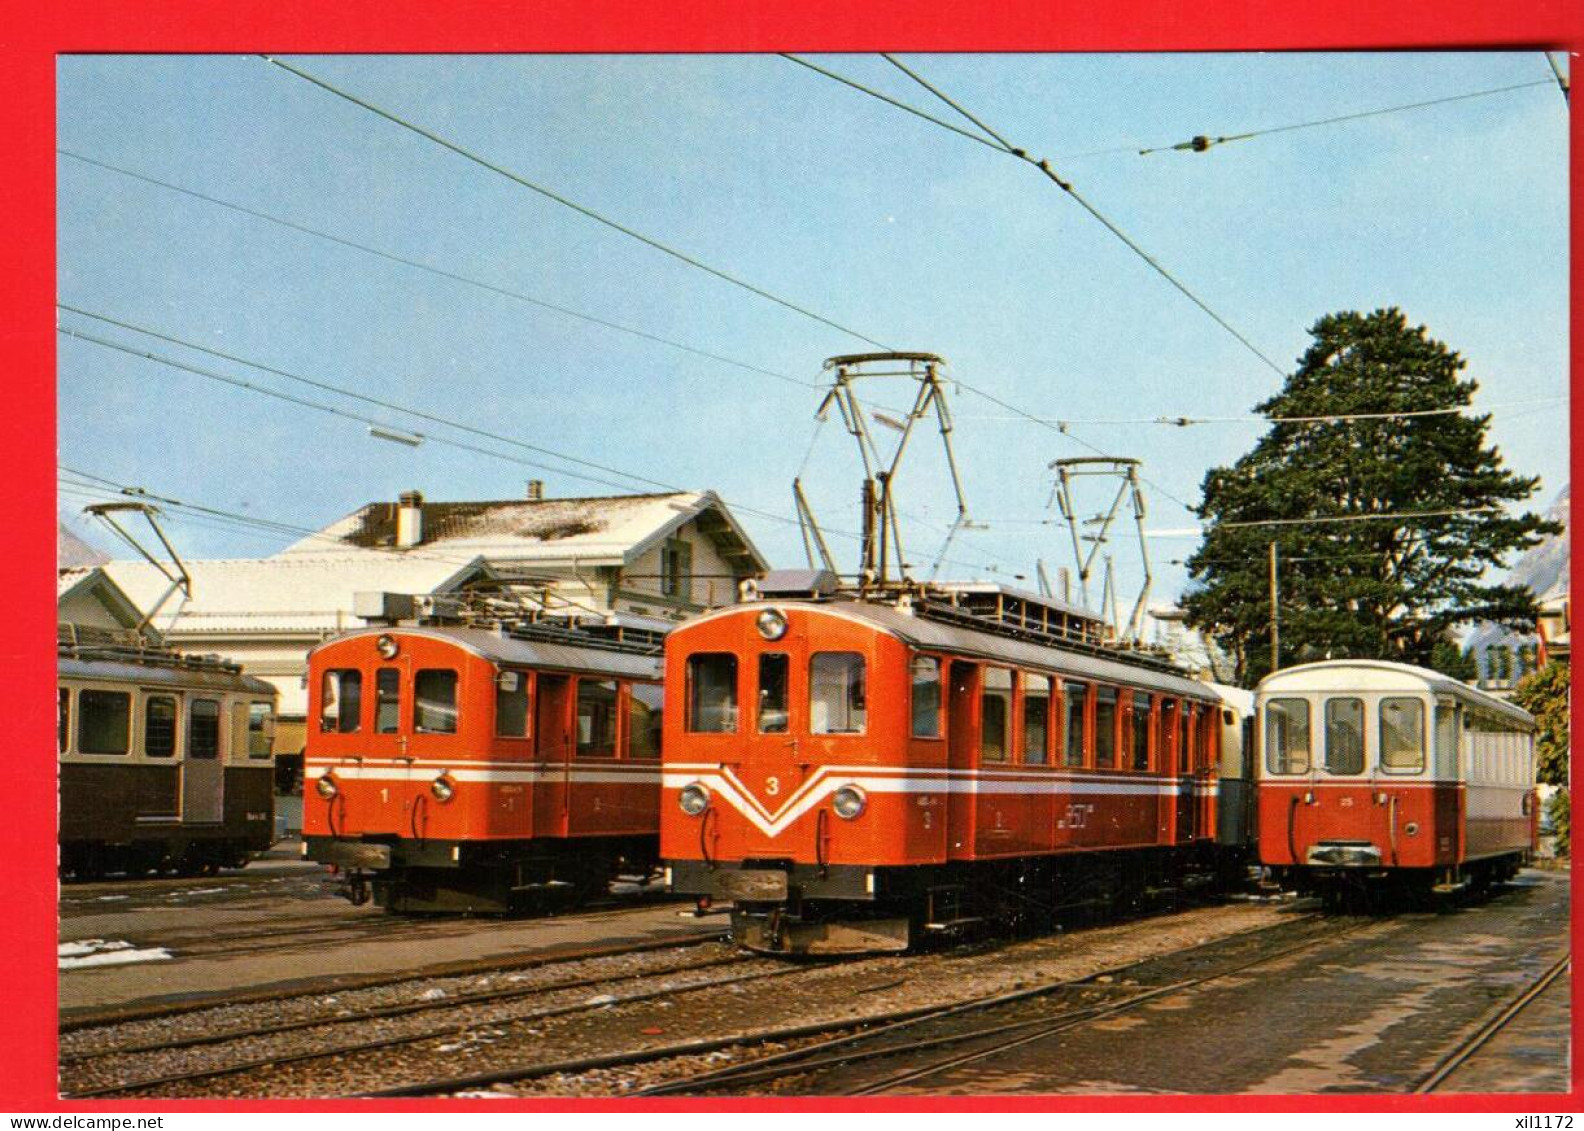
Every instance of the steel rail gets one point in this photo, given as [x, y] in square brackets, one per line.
[339, 1051]
[798, 1061]
[379, 1013]
[97, 1019]
[1449, 1064]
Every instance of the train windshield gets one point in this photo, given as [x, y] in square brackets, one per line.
[1344, 736]
[837, 702]
[1287, 736]
[435, 701]
[1402, 744]
[712, 693]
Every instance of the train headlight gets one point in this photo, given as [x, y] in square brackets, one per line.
[325, 787]
[694, 799]
[386, 646]
[849, 802]
[442, 788]
[772, 624]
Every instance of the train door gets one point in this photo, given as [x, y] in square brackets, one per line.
[1209, 752]
[553, 738]
[594, 791]
[962, 747]
[1188, 756]
[203, 775]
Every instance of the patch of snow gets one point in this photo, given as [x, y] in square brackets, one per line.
[115, 958]
[432, 995]
[109, 898]
[601, 999]
[89, 946]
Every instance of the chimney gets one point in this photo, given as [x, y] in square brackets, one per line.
[409, 520]
[536, 490]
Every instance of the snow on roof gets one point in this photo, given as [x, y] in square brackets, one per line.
[308, 594]
[610, 530]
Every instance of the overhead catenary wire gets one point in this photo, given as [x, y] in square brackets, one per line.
[567, 202]
[633, 233]
[1255, 418]
[441, 272]
[1202, 142]
[1044, 166]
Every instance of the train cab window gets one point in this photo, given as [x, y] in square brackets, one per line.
[1286, 736]
[1036, 718]
[1141, 729]
[341, 700]
[596, 718]
[63, 719]
[995, 715]
[104, 721]
[387, 701]
[203, 730]
[837, 703]
[712, 693]
[1344, 736]
[926, 697]
[1166, 736]
[435, 701]
[260, 730]
[1105, 727]
[645, 712]
[159, 726]
[511, 703]
[1402, 745]
[774, 668]
[1076, 696]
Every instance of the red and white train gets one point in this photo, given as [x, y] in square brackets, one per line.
[852, 770]
[1379, 774]
[456, 768]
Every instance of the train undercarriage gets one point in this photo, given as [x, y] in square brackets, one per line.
[785, 908]
[1365, 887]
[184, 856]
[481, 877]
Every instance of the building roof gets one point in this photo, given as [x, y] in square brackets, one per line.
[609, 530]
[92, 582]
[286, 594]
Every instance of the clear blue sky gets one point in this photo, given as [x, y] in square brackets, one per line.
[1456, 213]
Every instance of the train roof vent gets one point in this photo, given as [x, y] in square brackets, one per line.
[617, 632]
[786, 583]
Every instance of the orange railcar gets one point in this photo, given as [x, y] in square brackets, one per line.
[851, 772]
[468, 768]
[1379, 775]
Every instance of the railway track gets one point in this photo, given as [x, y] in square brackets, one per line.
[123, 1015]
[471, 1006]
[835, 1040]
[1471, 1044]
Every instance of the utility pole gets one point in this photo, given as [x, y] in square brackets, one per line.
[1275, 604]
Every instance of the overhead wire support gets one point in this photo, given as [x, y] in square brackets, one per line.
[1561, 78]
[1044, 166]
[564, 201]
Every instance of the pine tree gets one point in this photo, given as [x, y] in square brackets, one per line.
[1364, 587]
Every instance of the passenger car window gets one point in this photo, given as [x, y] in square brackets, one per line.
[1286, 736]
[1077, 697]
[774, 668]
[1141, 728]
[1344, 736]
[1036, 718]
[63, 719]
[1105, 726]
[159, 726]
[645, 713]
[995, 714]
[1402, 745]
[104, 721]
[836, 693]
[712, 693]
[435, 701]
[341, 700]
[926, 697]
